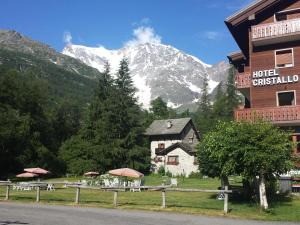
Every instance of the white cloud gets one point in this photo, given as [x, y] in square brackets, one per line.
[67, 37]
[212, 35]
[144, 35]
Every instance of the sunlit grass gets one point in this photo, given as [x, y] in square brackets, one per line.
[284, 208]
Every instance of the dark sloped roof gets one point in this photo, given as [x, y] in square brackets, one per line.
[160, 127]
[253, 8]
[184, 146]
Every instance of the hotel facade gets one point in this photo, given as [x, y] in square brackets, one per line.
[268, 65]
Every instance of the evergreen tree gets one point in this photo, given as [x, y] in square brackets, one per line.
[26, 133]
[219, 104]
[232, 99]
[159, 109]
[204, 116]
[112, 133]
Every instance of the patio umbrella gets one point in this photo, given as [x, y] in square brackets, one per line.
[37, 170]
[27, 175]
[91, 174]
[126, 172]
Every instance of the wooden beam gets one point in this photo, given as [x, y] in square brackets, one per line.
[7, 192]
[115, 198]
[163, 198]
[226, 200]
[38, 194]
[77, 198]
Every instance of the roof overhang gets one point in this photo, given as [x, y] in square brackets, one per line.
[188, 149]
[236, 57]
[247, 12]
[238, 23]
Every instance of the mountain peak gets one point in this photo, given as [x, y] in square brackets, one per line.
[157, 70]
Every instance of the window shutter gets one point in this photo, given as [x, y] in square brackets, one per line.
[284, 57]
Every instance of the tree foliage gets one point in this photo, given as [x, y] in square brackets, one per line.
[112, 132]
[26, 129]
[248, 149]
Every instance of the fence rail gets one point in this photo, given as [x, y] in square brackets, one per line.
[116, 190]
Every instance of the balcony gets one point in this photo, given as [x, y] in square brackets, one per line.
[243, 80]
[287, 115]
[274, 33]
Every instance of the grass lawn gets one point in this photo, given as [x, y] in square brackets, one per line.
[286, 209]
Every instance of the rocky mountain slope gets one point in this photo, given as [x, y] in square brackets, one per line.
[67, 78]
[157, 70]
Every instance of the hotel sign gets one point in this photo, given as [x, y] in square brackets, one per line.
[271, 77]
[276, 29]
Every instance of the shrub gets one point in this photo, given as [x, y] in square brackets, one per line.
[161, 170]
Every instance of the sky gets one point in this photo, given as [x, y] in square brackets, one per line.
[193, 26]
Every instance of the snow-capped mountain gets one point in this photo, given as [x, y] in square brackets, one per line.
[157, 70]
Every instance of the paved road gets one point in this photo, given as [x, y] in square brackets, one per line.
[34, 214]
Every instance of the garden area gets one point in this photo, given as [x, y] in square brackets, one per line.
[285, 208]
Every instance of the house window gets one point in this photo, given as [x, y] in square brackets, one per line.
[191, 138]
[172, 160]
[161, 146]
[286, 98]
[284, 58]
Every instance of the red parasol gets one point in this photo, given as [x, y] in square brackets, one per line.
[126, 172]
[37, 170]
[91, 174]
[27, 175]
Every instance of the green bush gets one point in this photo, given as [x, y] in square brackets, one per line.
[161, 170]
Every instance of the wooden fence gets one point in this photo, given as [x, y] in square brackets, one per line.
[116, 190]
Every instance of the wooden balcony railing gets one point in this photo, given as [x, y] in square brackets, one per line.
[277, 30]
[243, 80]
[287, 114]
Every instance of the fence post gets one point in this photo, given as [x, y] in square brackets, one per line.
[115, 198]
[163, 192]
[226, 200]
[77, 195]
[7, 192]
[37, 193]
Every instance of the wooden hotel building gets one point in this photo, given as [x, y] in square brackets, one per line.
[268, 65]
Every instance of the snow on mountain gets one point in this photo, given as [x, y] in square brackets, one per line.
[156, 69]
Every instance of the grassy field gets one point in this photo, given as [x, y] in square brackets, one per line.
[287, 209]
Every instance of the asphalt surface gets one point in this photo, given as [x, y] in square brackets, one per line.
[35, 214]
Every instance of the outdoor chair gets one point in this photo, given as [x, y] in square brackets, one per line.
[26, 187]
[174, 182]
[135, 185]
[106, 183]
[84, 182]
[50, 187]
[115, 182]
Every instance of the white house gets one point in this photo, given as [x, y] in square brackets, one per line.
[173, 143]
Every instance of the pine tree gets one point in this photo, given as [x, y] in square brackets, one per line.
[159, 109]
[219, 103]
[204, 103]
[112, 134]
[232, 98]
[204, 113]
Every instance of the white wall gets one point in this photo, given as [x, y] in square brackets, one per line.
[186, 162]
[154, 145]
